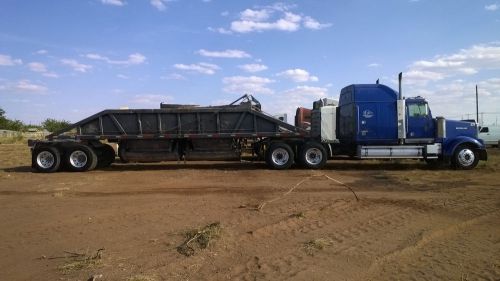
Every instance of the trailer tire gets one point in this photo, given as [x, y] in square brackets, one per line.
[79, 158]
[46, 159]
[312, 155]
[279, 156]
[122, 150]
[464, 158]
[106, 156]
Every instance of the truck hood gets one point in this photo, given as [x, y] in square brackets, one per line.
[456, 128]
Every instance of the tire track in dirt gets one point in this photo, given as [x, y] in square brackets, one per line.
[350, 227]
[444, 248]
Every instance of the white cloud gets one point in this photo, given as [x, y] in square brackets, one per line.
[298, 75]
[311, 23]
[202, 67]
[220, 30]
[6, 60]
[247, 85]
[151, 100]
[253, 67]
[255, 15]
[113, 2]
[37, 67]
[288, 101]
[374, 65]
[42, 52]
[464, 62]
[133, 59]
[79, 67]
[275, 17]
[160, 5]
[174, 76]
[27, 86]
[456, 99]
[492, 7]
[290, 22]
[233, 54]
[41, 68]
[415, 76]
[122, 76]
[308, 94]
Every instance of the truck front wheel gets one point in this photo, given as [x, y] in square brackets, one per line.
[79, 158]
[464, 158]
[279, 156]
[312, 155]
[46, 159]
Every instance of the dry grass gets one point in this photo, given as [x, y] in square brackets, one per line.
[317, 244]
[299, 215]
[199, 238]
[76, 261]
[18, 139]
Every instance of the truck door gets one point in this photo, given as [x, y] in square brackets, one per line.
[420, 126]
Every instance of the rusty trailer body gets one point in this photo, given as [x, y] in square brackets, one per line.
[172, 132]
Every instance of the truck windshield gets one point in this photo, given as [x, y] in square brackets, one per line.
[418, 110]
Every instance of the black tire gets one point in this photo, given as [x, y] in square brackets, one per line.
[312, 155]
[279, 156]
[106, 156]
[464, 158]
[79, 158]
[46, 159]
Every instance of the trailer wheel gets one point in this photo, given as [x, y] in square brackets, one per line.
[106, 156]
[122, 150]
[313, 155]
[279, 156]
[464, 158]
[79, 158]
[46, 159]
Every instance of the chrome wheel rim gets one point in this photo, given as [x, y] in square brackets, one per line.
[314, 156]
[466, 157]
[280, 156]
[78, 159]
[45, 159]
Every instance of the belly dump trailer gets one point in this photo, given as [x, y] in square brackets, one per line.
[370, 121]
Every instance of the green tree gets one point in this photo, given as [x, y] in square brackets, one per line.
[7, 124]
[53, 125]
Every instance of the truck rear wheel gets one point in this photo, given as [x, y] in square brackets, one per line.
[279, 156]
[312, 155]
[79, 158]
[464, 158]
[46, 159]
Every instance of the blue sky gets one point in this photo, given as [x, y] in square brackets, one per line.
[70, 59]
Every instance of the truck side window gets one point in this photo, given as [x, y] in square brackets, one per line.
[484, 130]
[417, 110]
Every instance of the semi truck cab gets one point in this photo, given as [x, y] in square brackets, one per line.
[374, 121]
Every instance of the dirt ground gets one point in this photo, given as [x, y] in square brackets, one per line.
[411, 222]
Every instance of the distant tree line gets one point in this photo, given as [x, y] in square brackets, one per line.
[50, 124]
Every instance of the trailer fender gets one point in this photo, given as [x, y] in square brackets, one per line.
[449, 147]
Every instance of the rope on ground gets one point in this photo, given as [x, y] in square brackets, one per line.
[348, 187]
[261, 206]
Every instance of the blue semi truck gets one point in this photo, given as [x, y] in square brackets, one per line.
[370, 121]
